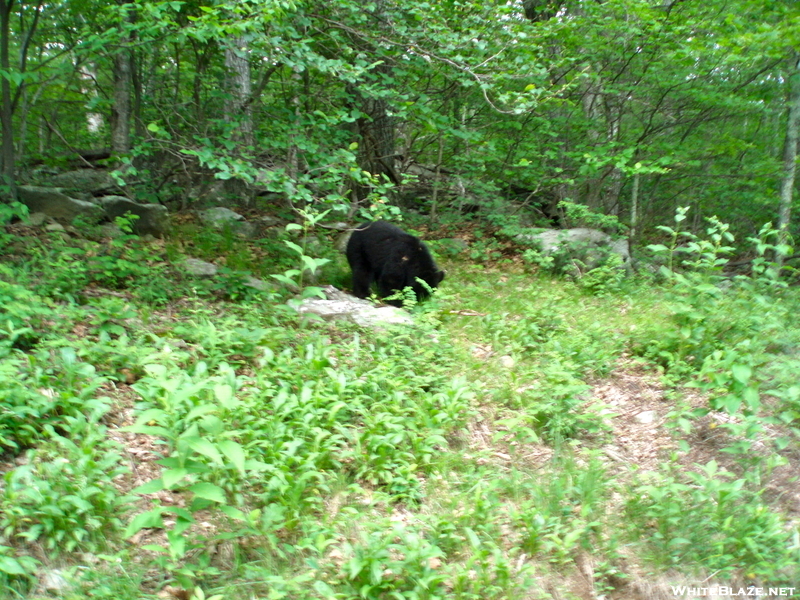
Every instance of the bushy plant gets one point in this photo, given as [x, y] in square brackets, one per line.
[396, 562]
[566, 510]
[606, 279]
[23, 314]
[64, 497]
[709, 311]
[43, 391]
[558, 408]
[711, 520]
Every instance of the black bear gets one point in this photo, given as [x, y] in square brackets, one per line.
[392, 258]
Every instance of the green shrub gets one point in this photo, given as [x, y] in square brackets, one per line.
[395, 562]
[64, 497]
[710, 520]
[43, 391]
[23, 315]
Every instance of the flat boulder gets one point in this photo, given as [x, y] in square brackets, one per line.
[56, 204]
[340, 305]
[200, 268]
[219, 216]
[89, 181]
[153, 218]
[591, 246]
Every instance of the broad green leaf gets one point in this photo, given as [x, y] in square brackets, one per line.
[741, 373]
[10, 566]
[233, 512]
[752, 398]
[224, 394]
[145, 520]
[206, 448]
[172, 476]
[731, 403]
[235, 453]
[151, 487]
[209, 491]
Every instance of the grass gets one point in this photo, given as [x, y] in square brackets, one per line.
[468, 457]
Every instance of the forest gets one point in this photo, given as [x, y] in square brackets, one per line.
[614, 416]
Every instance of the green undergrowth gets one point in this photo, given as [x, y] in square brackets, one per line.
[464, 457]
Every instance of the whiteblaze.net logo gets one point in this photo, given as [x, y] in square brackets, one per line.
[731, 591]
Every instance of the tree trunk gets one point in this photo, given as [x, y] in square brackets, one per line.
[122, 109]
[789, 155]
[634, 208]
[437, 180]
[239, 104]
[376, 133]
[6, 110]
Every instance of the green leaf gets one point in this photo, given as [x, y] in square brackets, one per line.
[145, 520]
[474, 540]
[293, 246]
[172, 476]
[206, 448]
[209, 491]
[752, 398]
[151, 487]
[731, 403]
[10, 566]
[741, 373]
[224, 394]
[233, 512]
[235, 454]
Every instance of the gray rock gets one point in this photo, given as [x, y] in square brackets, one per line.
[56, 204]
[341, 241]
[260, 284]
[646, 417]
[53, 580]
[246, 229]
[201, 268]
[273, 232]
[153, 218]
[507, 362]
[54, 227]
[268, 221]
[377, 317]
[110, 230]
[339, 305]
[587, 244]
[36, 219]
[219, 216]
[339, 226]
[93, 181]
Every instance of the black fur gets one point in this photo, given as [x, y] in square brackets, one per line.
[382, 253]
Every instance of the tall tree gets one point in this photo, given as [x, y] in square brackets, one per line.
[790, 149]
[6, 110]
[122, 107]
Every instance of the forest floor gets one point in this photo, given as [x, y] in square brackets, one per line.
[530, 438]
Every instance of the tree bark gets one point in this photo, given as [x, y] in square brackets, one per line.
[239, 106]
[123, 107]
[634, 208]
[789, 154]
[376, 133]
[6, 110]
